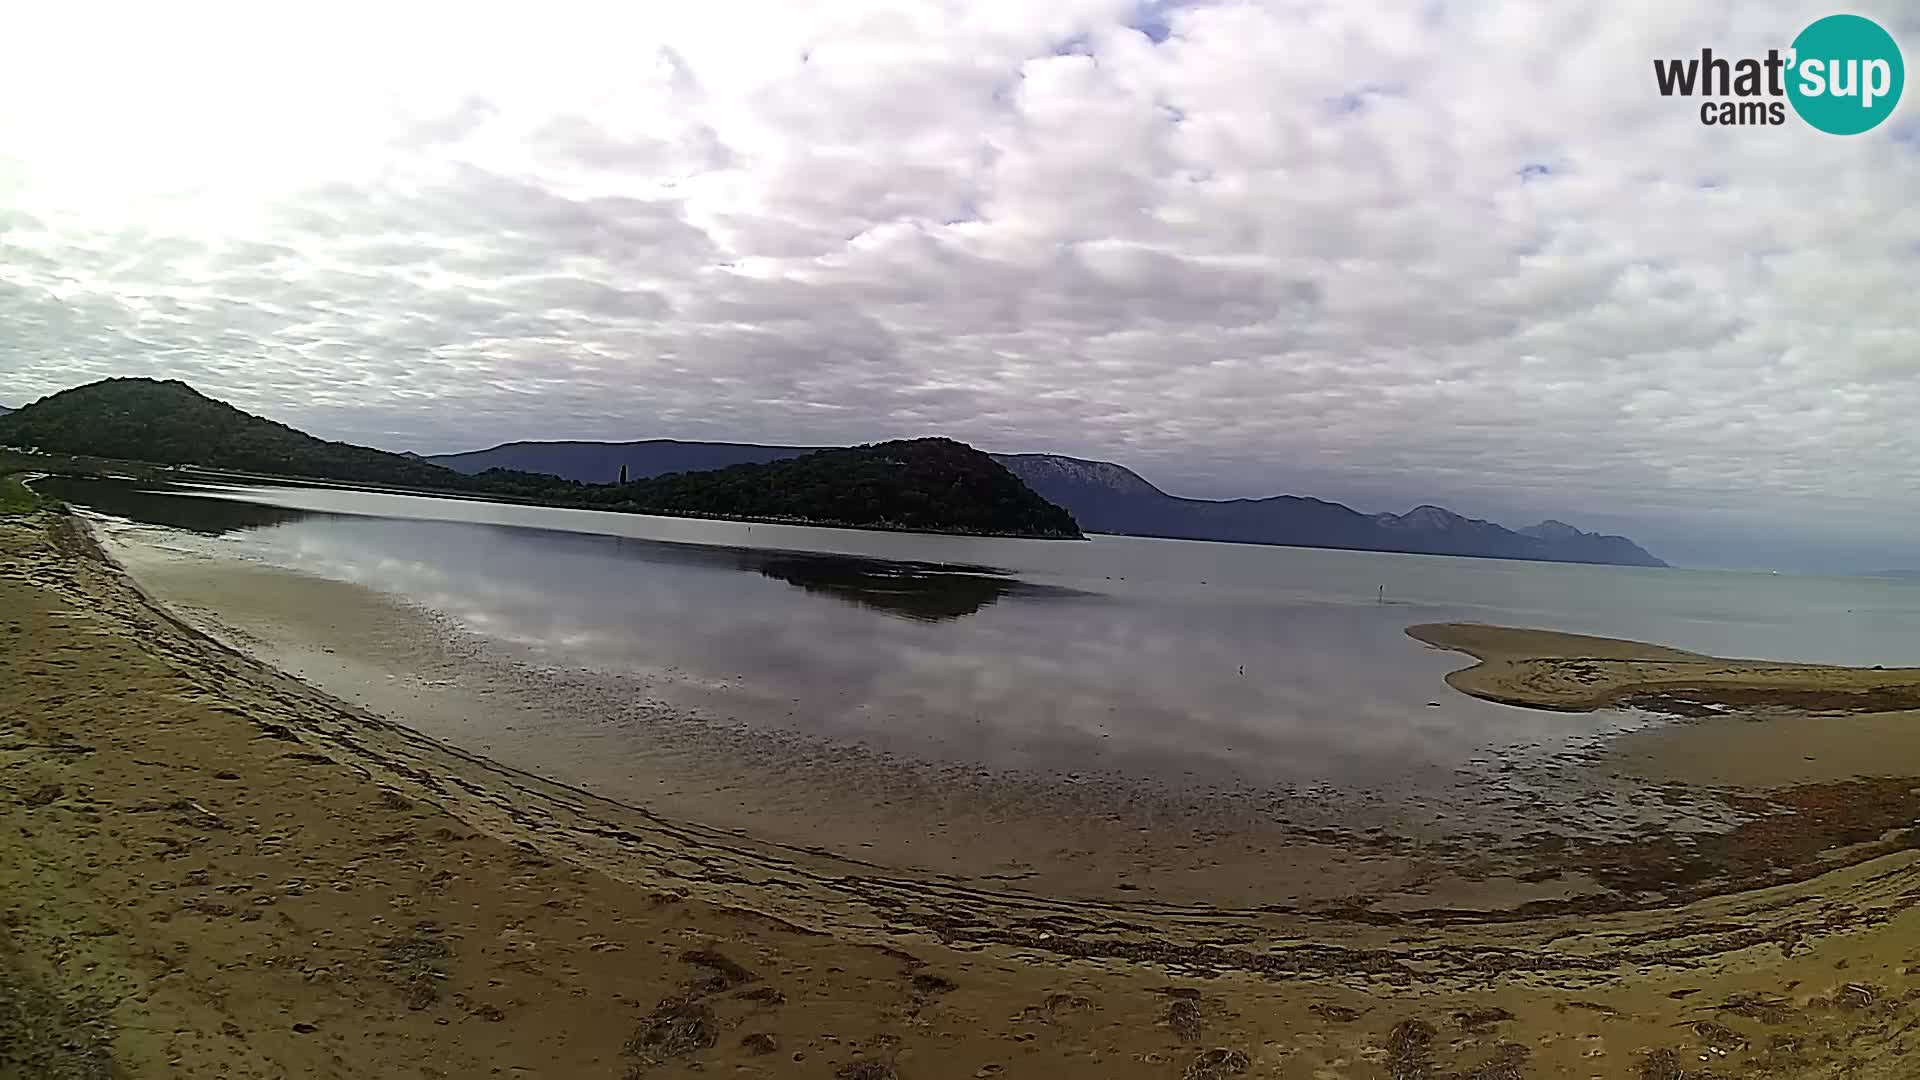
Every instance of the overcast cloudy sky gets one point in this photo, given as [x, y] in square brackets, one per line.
[1423, 250]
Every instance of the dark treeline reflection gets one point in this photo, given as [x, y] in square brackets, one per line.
[921, 591]
[927, 592]
[159, 506]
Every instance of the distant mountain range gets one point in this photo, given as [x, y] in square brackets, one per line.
[601, 462]
[1109, 498]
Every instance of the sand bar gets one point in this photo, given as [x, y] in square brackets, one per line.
[1546, 669]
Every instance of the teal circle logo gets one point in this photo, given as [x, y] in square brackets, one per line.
[1846, 75]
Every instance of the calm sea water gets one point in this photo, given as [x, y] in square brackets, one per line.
[1249, 663]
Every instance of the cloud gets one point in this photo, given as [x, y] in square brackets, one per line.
[1421, 251]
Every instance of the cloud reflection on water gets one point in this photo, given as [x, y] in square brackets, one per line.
[952, 661]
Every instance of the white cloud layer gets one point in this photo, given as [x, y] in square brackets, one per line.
[1444, 250]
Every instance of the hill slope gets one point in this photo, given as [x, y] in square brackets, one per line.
[170, 423]
[930, 484]
[1105, 497]
[601, 462]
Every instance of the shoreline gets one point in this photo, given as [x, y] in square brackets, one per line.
[1538, 856]
[1106, 839]
[102, 467]
[147, 471]
[925, 977]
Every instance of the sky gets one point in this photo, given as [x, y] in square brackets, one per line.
[1384, 253]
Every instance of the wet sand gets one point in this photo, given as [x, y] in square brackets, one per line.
[212, 869]
[1083, 837]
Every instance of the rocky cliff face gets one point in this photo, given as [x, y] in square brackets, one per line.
[1553, 530]
[1054, 469]
[1431, 519]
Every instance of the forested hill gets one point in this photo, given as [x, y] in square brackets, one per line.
[923, 484]
[171, 423]
[935, 485]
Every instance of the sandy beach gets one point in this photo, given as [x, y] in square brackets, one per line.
[214, 869]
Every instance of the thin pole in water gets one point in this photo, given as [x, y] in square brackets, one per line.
[1383, 594]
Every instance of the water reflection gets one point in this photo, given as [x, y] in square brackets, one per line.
[166, 507]
[931, 658]
[921, 591]
[1262, 665]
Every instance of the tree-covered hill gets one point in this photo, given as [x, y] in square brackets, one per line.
[922, 484]
[935, 485]
[171, 423]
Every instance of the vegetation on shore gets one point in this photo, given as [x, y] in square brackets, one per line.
[933, 485]
[50, 1039]
[15, 497]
